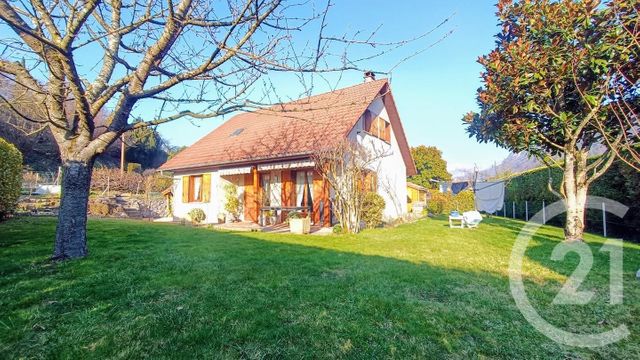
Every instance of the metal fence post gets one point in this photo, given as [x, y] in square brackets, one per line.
[514, 209]
[604, 219]
[544, 213]
[526, 210]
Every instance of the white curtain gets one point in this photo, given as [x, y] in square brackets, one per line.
[299, 187]
[197, 188]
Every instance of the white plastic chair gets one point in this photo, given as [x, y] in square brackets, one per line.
[472, 219]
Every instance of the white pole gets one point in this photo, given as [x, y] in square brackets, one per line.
[544, 213]
[604, 219]
[514, 209]
[526, 210]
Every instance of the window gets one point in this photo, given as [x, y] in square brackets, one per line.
[237, 132]
[196, 188]
[377, 127]
[304, 188]
[370, 182]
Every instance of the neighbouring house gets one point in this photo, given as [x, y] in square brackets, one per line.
[268, 155]
[417, 197]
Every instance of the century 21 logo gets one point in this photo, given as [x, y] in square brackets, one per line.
[570, 293]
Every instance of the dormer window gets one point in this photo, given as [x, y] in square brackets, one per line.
[236, 132]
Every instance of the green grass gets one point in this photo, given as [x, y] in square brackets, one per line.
[419, 290]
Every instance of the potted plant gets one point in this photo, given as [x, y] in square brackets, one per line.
[266, 217]
[221, 217]
[232, 204]
[299, 224]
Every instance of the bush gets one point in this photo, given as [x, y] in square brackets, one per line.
[157, 183]
[293, 215]
[197, 215]
[337, 229]
[444, 203]
[99, 209]
[372, 209]
[134, 167]
[232, 203]
[10, 177]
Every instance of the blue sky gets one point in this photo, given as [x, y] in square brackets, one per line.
[432, 90]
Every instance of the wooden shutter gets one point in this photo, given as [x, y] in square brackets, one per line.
[206, 187]
[185, 189]
[387, 132]
[367, 121]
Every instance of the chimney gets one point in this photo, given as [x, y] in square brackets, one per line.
[369, 76]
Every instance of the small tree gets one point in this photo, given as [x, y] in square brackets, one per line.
[563, 78]
[10, 177]
[344, 167]
[430, 166]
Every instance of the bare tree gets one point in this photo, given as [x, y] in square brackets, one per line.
[198, 53]
[345, 167]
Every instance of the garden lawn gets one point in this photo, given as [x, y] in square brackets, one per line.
[418, 290]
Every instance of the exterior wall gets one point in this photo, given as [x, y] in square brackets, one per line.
[415, 196]
[181, 209]
[216, 202]
[391, 169]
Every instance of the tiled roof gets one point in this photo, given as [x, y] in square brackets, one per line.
[285, 130]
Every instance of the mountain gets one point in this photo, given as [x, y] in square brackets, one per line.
[514, 163]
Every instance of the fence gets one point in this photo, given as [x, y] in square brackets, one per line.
[597, 221]
[34, 182]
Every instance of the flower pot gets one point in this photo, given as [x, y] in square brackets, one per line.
[300, 226]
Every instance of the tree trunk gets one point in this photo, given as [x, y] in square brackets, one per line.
[575, 192]
[71, 232]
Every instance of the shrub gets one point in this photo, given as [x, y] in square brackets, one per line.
[157, 183]
[293, 215]
[232, 203]
[10, 177]
[197, 215]
[444, 203]
[372, 209]
[134, 167]
[337, 229]
[98, 209]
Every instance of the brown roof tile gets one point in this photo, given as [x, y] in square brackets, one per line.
[285, 130]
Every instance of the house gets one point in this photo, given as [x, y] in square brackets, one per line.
[268, 153]
[417, 197]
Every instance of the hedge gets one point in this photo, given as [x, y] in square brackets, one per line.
[10, 177]
[620, 183]
[444, 203]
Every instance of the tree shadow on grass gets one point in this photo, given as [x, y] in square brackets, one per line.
[172, 291]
